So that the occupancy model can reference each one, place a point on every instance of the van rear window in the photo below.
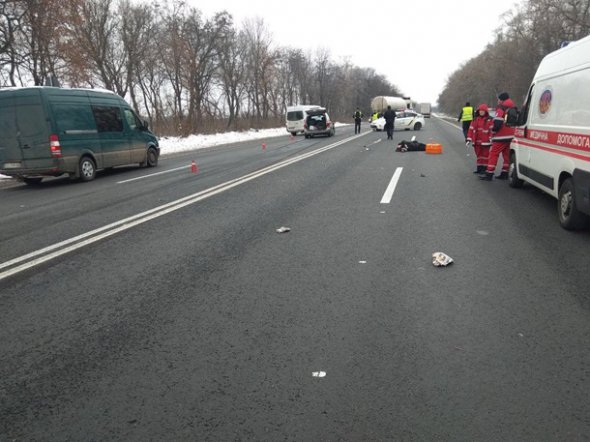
(7, 123)
(108, 118)
(295, 116)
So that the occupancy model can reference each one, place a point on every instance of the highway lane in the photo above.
(206, 324)
(35, 217)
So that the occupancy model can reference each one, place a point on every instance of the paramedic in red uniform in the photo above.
(478, 135)
(501, 137)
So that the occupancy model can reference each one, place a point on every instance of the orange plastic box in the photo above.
(433, 148)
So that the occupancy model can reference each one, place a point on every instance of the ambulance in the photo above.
(551, 146)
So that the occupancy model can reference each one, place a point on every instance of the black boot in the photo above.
(480, 169)
(489, 176)
(502, 176)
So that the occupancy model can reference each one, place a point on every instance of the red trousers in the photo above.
(499, 147)
(482, 154)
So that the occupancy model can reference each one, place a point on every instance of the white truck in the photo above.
(424, 109)
(379, 104)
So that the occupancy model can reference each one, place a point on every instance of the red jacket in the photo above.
(501, 132)
(480, 130)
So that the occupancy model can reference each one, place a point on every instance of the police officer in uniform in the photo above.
(358, 117)
(466, 117)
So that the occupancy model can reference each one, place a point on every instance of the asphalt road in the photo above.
(179, 313)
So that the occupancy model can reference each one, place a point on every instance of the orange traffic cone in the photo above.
(194, 168)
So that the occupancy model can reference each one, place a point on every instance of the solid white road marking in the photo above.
(391, 188)
(77, 242)
(187, 167)
(450, 124)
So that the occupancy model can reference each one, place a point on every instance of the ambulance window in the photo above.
(523, 117)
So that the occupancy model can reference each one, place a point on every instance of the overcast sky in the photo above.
(415, 44)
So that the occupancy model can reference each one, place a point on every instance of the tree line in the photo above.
(528, 33)
(184, 71)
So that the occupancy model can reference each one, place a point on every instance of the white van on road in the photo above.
(296, 116)
(551, 146)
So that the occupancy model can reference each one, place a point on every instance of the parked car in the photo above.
(406, 120)
(50, 131)
(295, 118)
(318, 123)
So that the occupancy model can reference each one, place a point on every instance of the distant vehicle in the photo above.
(551, 146)
(379, 104)
(49, 131)
(424, 109)
(296, 116)
(404, 120)
(318, 123)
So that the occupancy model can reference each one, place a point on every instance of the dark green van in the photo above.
(49, 131)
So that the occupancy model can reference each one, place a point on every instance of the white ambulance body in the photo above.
(551, 147)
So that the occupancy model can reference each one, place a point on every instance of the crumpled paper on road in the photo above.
(440, 259)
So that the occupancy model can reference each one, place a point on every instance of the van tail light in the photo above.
(54, 146)
(328, 124)
(305, 125)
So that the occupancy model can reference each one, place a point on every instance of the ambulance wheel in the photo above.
(87, 169)
(569, 215)
(513, 180)
(294, 133)
(417, 126)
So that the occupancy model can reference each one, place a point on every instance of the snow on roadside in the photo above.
(169, 145)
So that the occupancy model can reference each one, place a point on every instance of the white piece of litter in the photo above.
(439, 259)
(319, 374)
(283, 229)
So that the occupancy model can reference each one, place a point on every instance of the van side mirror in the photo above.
(145, 125)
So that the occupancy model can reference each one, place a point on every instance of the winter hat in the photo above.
(503, 96)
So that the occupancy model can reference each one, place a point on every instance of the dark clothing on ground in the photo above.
(410, 146)
(389, 116)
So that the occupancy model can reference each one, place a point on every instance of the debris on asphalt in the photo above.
(439, 259)
(422, 175)
(283, 229)
(319, 374)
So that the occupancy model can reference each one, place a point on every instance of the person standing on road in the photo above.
(478, 136)
(358, 118)
(501, 137)
(389, 116)
(466, 117)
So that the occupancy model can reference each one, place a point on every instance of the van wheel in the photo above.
(32, 181)
(87, 169)
(294, 134)
(569, 215)
(513, 180)
(152, 157)
(417, 126)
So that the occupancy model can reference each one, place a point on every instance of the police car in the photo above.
(404, 119)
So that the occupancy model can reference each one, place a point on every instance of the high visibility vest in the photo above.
(467, 114)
